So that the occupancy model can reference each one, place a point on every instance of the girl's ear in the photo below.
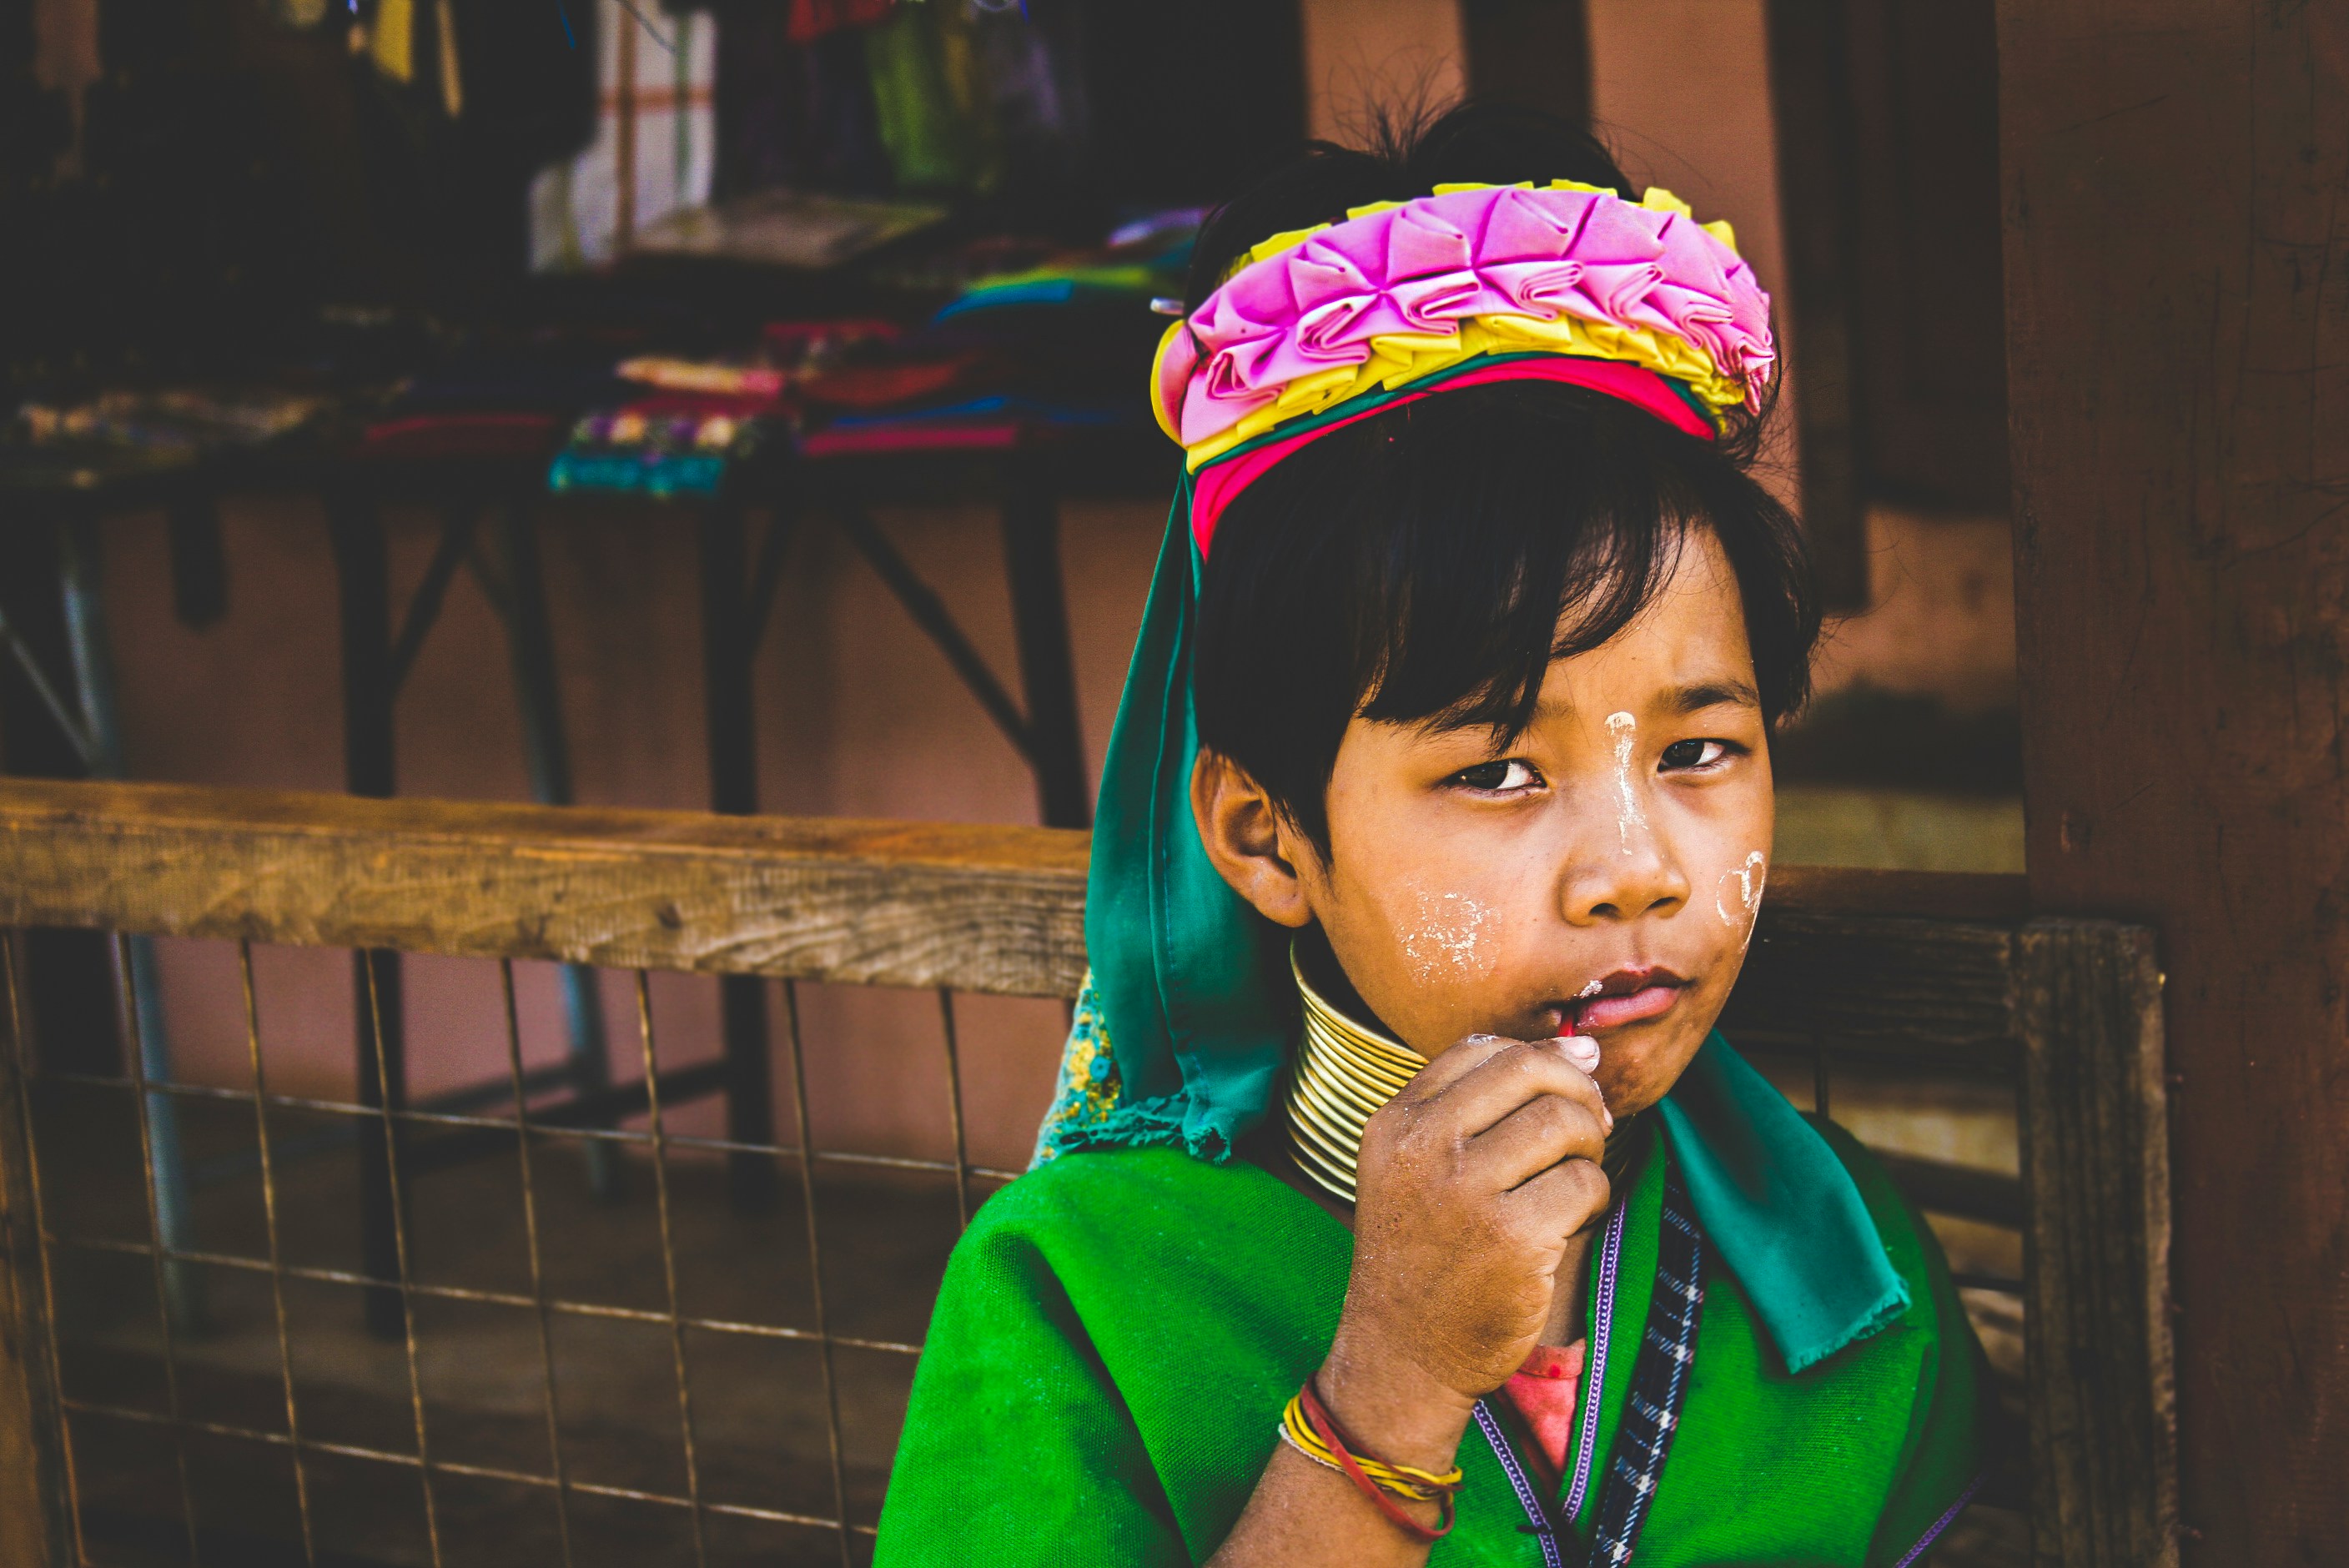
(1248, 841)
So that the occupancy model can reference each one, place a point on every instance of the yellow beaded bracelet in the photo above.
(1307, 1428)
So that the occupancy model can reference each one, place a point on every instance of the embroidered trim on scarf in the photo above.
(1659, 1385)
(1659, 1379)
(1543, 1529)
(1943, 1523)
(1611, 1259)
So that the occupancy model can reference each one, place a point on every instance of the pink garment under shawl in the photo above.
(1545, 1390)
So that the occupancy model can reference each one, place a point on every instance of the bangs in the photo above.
(1425, 565)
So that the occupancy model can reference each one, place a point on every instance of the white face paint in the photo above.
(1749, 878)
(1450, 930)
(1625, 731)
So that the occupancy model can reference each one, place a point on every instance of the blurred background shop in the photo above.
(498, 328)
(739, 406)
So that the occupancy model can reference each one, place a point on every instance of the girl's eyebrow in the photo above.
(1698, 695)
(1680, 700)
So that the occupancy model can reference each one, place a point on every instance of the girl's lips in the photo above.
(1632, 1007)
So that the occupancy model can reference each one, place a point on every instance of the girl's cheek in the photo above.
(1737, 896)
(1447, 937)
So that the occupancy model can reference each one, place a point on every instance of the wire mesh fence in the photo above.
(278, 1319)
(196, 1335)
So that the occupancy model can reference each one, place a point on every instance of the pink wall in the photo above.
(1359, 54)
(859, 715)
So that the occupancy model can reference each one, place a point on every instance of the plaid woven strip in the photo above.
(1659, 1379)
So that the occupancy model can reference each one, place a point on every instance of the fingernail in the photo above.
(1581, 1050)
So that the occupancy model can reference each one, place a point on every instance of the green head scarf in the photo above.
(1189, 1014)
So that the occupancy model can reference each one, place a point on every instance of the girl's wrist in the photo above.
(1390, 1404)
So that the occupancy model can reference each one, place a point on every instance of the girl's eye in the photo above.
(1497, 777)
(1681, 755)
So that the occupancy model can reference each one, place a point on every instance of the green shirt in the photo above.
(1119, 1331)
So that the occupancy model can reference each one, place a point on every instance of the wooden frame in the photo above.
(1943, 973)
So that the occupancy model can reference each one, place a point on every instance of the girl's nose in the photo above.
(1627, 870)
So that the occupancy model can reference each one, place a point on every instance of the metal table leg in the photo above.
(547, 754)
(1039, 613)
(362, 569)
(725, 621)
(81, 581)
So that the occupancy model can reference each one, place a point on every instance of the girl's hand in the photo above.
(1473, 1184)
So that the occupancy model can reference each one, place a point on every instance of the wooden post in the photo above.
(1040, 622)
(35, 1531)
(2178, 298)
(732, 734)
(2100, 1371)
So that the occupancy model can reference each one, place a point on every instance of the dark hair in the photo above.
(1431, 561)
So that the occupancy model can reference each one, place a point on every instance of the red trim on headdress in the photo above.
(1215, 486)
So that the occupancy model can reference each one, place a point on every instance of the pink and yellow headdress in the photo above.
(1569, 282)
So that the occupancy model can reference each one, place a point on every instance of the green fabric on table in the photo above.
(1119, 1331)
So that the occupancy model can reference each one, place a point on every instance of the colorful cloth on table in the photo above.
(814, 19)
(678, 444)
(1128, 1324)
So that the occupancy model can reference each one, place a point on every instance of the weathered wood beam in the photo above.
(896, 903)
(992, 909)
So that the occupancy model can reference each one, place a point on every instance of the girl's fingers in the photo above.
(1530, 1140)
(1472, 1052)
(1511, 1077)
(1559, 1202)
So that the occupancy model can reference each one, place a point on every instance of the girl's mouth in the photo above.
(1627, 997)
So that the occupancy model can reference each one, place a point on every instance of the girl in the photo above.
(1400, 1204)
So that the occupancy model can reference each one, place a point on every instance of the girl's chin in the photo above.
(1640, 1067)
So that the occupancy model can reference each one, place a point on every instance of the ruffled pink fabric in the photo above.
(1429, 264)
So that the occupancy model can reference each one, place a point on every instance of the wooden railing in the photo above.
(1923, 973)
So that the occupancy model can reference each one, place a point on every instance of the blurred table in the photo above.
(490, 499)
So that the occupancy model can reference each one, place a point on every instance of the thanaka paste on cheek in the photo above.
(1750, 878)
(1449, 936)
(1625, 731)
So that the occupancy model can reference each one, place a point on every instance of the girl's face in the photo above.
(1600, 875)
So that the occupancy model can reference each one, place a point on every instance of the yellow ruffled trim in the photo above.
(1399, 359)
(1157, 360)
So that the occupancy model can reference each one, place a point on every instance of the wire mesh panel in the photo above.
(663, 1377)
(658, 1379)
(267, 1306)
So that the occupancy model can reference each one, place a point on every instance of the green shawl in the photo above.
(1119, 1331)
